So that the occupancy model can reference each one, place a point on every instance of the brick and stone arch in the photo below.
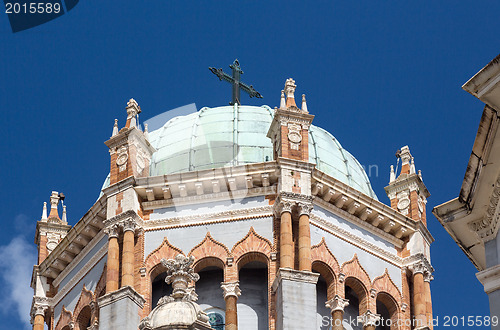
(65, 319)
(389, 295)
(325, 263)
(154, 268)
(358, 280)
(83, 320)
(209, 252)
(252, 242)
(82, 315)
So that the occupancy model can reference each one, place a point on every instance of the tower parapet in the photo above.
(51, 229)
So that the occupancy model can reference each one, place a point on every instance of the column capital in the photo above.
(128, 225)
(285, 206)
(337, 304)
(305, 208)
(231, 289)
(39, 306)
(112, 231)
(369, 319)
(418, 263)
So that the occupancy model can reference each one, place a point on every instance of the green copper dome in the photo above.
(228, 136)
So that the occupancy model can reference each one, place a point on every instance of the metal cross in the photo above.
(235, 81)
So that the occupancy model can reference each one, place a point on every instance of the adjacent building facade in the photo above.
(472, 219)
(277, 219)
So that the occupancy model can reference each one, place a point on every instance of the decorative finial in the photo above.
(420, 175)
(412, 166)
(44, 211)
(393, 175)
(64, 218)
(290, 92)
(282, 101)
(179, 273)
(115, 128)
(54, 201)
(133, 109)
(304, 104)
(146, 132)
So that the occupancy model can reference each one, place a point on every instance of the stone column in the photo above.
(369, 320)
(428, 299)
(38, 309)
(304, 237)
(128, 253)
(286, 238)
(231, 293)
(113, 263)
(421, 268)
(337, 305)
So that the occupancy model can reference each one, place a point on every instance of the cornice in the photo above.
(119, 186)
(79, 275)
(357, 241)
(201, 219)
(69, 268)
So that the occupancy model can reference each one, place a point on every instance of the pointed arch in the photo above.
(65, 318)
(385, 284)
(358, 280)
(209, 249)
(251, 243)
(353, 268)
(325, 263)
(86, 297)
(389, 295)
(165, 250)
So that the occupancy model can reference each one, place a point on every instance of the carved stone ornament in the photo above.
(179, 273)
(121, 159)
(140, 160)
(231, 289)
(181, 308)
(128, 224)
(286, 206)
(403, 204)
(337, 304)
(305, 208)
(112, 231)
(39, 306)
(369, 319)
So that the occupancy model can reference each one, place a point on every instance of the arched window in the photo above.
(216, 318)
(159, 289)
(84, 318)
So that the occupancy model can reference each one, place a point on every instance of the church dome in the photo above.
(229, 136)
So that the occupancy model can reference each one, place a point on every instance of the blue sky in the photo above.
(377, 74)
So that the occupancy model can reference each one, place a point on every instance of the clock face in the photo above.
(403, 203)
(121, 159)
(294, 137)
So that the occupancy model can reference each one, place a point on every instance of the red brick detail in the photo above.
(42, 249)
(406, 297)
(357, 279)
(65, 318)
(252, 242)
(209, 252)
(384, 284)
(86, 297)
(154, 268)
(325, 263)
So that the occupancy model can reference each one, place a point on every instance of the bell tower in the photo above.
(295, 281)
(129, 148)
(51, 229)
(407, 192)
(290, 127)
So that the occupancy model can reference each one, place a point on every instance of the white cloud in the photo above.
(18, 258)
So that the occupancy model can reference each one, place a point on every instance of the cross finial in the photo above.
(235, 80)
